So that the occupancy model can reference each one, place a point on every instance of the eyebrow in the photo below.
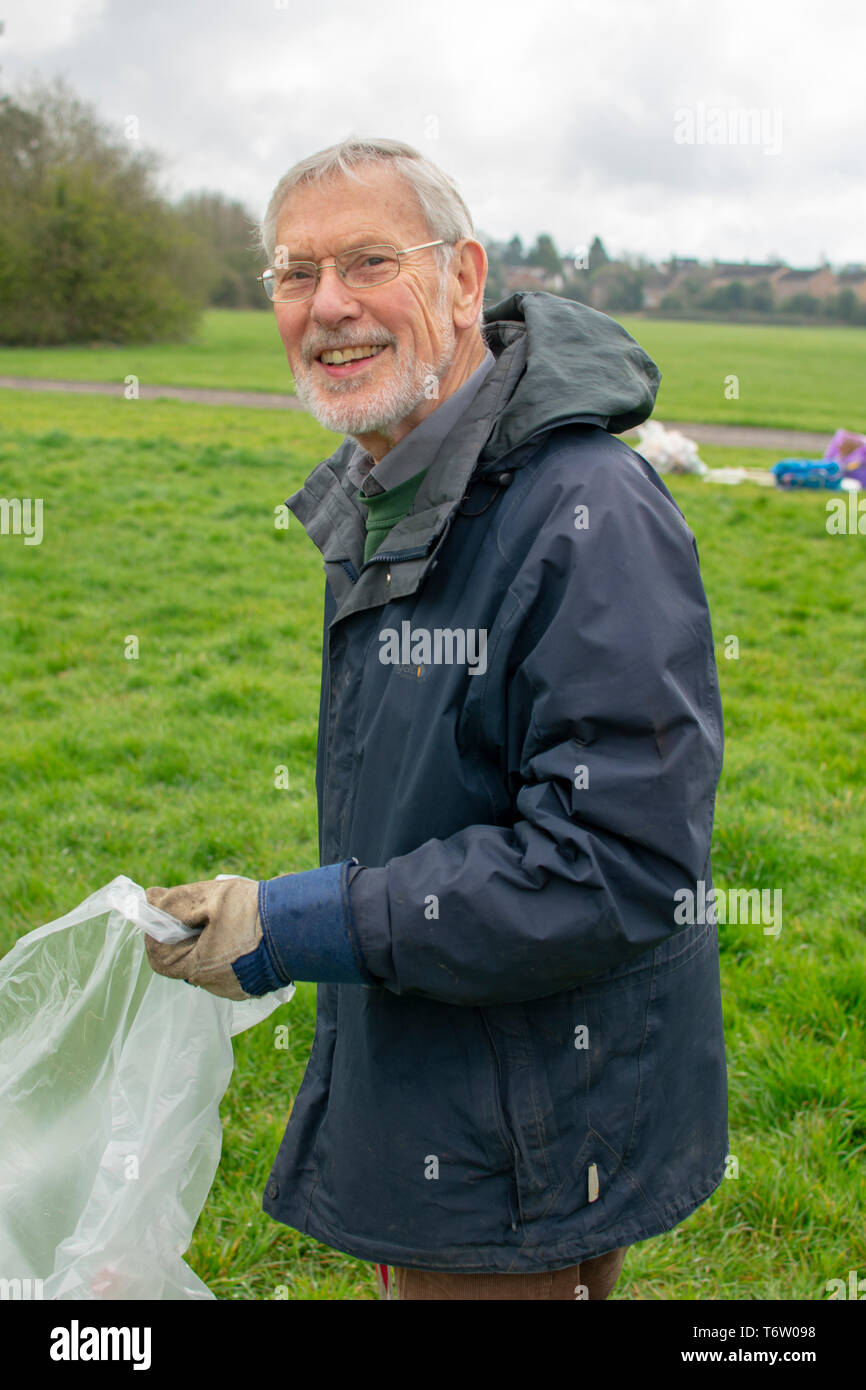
(350, 246)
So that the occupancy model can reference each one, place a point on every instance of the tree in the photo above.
(694, 284)
(725, 297)
(802, 303)
(234, 260)
(597, 254)
(844, 305)
(759, 297)
(513, 254)
(545, 255)
(618, 286)
(494, 288)
(578, 288)
(89, 250)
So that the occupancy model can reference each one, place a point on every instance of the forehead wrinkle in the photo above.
(318, 221)
(341, 243)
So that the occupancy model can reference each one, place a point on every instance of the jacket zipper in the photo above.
(515, 1207)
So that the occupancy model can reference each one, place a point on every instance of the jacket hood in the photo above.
(558, 363)
(580, 365)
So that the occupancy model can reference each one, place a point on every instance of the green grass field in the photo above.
(158, 523)
(235, 350)
(792, 378)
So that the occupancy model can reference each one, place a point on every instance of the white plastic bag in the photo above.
(669, 451)
(110, 1082)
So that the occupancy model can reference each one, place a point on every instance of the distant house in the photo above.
(656, 284)
(783, 281)
(667, 278)
(821, 283)
(532, 277)
(747, 272)
(853, 277)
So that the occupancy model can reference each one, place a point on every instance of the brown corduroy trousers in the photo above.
(592, 1280)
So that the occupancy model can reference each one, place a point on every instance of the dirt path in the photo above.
(791, 442)
(199, 395)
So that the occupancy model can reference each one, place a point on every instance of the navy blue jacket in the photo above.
(519, 1058)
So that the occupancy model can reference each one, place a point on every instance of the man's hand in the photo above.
(227, 911)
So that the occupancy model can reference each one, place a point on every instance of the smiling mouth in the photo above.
(340, 357)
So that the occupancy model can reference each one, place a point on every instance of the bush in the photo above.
(800, 304)
(759, 297)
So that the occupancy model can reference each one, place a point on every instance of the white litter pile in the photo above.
(669, 451)
(741, 475)
(111, 1078)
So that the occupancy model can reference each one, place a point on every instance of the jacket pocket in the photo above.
(515, 1208)
(620, 1023)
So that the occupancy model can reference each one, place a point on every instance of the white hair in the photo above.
(438, 198)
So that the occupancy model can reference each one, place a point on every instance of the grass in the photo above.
(792, 378)
(789, 378)
(158, 523)
(236, 350)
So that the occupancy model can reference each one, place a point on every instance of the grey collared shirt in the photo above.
(416, 450)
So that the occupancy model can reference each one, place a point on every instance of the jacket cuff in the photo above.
(371, 913)
(308, 928)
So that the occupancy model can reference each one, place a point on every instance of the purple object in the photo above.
(849, 451)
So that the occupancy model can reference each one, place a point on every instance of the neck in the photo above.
(468, 357)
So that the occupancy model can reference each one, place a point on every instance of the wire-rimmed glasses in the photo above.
(360, 269)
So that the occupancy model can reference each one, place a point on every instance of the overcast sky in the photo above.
(614, 117)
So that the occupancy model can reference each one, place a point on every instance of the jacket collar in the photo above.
(334, 521)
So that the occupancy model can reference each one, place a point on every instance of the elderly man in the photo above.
(518, 1069)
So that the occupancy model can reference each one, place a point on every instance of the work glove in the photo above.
(227, 912)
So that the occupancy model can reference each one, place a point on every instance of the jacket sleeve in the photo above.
(604, 695)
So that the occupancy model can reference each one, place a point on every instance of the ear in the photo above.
(469, 268)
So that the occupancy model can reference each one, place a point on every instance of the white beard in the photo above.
(407, 386)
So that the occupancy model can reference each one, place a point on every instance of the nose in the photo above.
(332, 300)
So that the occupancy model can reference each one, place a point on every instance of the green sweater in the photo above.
(385, 509)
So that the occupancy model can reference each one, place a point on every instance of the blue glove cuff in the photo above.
(255, 972)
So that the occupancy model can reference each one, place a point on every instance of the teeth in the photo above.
(351, 354)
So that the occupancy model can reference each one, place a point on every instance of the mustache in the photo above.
(313, 350)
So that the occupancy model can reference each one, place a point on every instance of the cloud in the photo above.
(33, 30)
(550, 117)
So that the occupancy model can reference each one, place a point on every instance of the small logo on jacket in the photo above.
(443, 646)
(412, 673)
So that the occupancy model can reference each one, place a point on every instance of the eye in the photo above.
(369, 265)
